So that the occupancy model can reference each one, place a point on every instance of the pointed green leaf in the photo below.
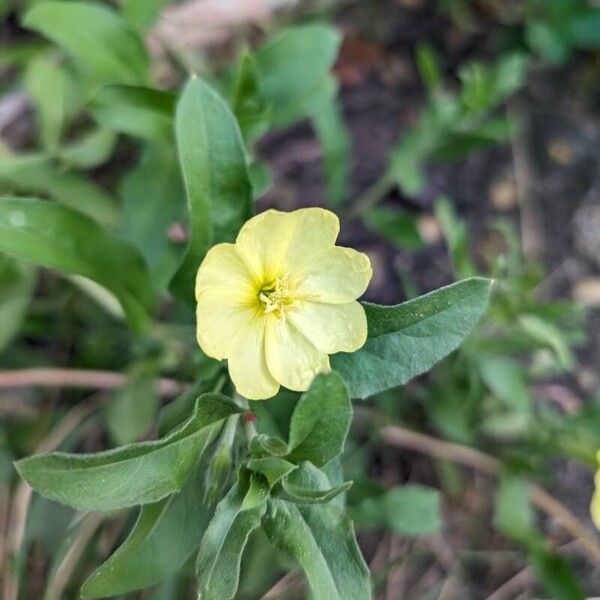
(137, 111)
(236, 517)
(162, 539)
(140, 473)
(37, 174)
(57, 237)
(288, 489)
(95, 36)
(273, 468)
(320, 421)
(408, 339)
(213, 163)
(321, 538)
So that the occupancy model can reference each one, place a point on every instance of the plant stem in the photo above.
(371, 196)
(80, 378)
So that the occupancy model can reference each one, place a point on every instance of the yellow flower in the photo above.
(280, 299)
(596, 499)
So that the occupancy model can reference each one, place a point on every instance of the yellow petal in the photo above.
(224, 267)
(331, 327)
(274, 243)
(315, 231)
(221, 313)
(291, 358)
(263, 242)
(247, 363)
(336, 276)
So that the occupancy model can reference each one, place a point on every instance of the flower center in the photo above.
(275, 296)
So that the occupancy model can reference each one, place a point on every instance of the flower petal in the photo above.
(274, 242)
(336, 276)
(315, 231)
(263, 241)
(224, 267)
(221, 313)
(291, 358)
(332, 327)
(248, 365)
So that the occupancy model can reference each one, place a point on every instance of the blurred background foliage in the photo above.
(453, 138)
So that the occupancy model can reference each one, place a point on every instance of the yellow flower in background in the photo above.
(596, 499)
(281, 299)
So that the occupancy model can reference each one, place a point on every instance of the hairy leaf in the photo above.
(408, 339)
(140, 473)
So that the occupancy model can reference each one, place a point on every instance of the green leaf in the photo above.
(57, 237)
(247, 102)
(506, 379)
(331, 131)
(16, 288)
(428, 63)
(289, 490)
(321, 538)
(162, 539)
(153, 202)
(236, 517)
(407, 339)
(396, 226)
(213, 163)
(320, 421)
(37, 174)
(548, 335)
(104, 48)
(132, 410)
(91, 150)
(408, 510)
(293, 65)
(514, 516)
(273, 468)
(584, 30)
(140, 473)
(53, 96)
(555, 575)
(137, 111)
(142, 14)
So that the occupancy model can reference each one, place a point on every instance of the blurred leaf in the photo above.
(292, 66)
(142, 14)
(260, 179)
(247, 102)
(57, 237)
(132, 409)
(408, 510)
(585, 29)
(555, 576)
(140, 473)
(428, 63)
(95, 36)
(37, 174)
(549, 336)
(54, 97)
(321, 420)
(162, 539)
(321, 539)
(506, 379)
(220, 554)
(153, 203)
(16, 288)
(137, 111)
(91, 150)
(331, 131)
(455, 232)
(407, 339)
(513, 515)
(213, 163)
(396, 226)
(546, 41)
